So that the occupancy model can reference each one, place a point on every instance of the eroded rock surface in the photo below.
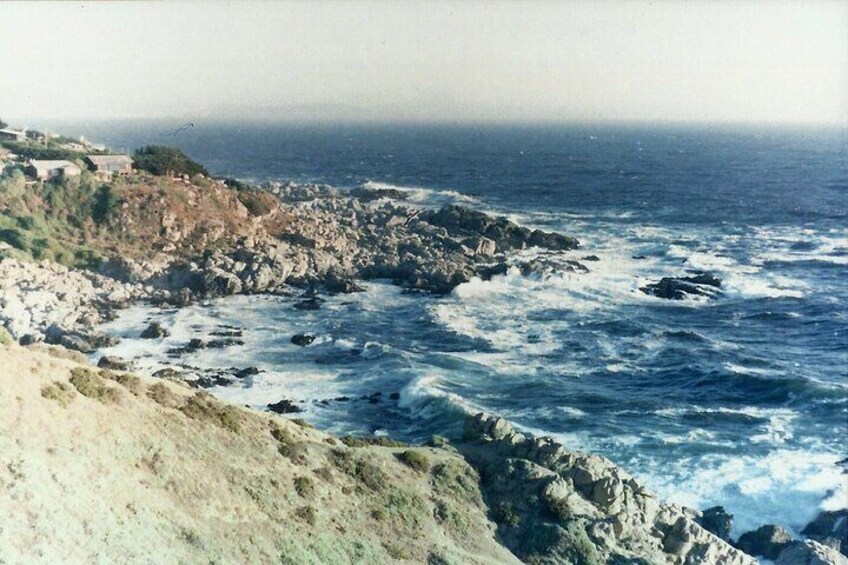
(558, 506)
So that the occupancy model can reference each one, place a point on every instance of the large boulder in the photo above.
(154, 331)
(809, 552)
(829, 528)
(716, 521)
(678, 288)
(767, 541)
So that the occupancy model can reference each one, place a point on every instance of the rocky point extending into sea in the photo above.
(509, 496)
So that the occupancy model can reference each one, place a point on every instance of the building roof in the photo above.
(50, 165)
(110, 160)
(14, 131)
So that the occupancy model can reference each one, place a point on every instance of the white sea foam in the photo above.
(791, 485)
(425, 196)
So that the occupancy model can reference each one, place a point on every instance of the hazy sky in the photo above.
(447, 61)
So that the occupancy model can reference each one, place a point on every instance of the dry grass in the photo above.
(89, 384)
(203, 406)
(59, 391)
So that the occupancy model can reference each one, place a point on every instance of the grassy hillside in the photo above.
(82, 220)
(109, 467)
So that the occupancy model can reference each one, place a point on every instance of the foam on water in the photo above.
(425, 196)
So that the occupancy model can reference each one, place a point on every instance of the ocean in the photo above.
(740, 401)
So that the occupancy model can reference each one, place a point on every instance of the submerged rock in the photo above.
(302, 339)
(678, 288)
(155, 331)
(284, 406)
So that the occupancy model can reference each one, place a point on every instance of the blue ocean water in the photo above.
(740, 401)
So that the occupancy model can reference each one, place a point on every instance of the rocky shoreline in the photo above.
(324, 241)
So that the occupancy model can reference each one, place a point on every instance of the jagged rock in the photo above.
(767, 541)
(716, 521)
(246, 372)
(678, 288)
(114, 363)
(829, 528)
(810, 552)
(284, 407)
(592, 511)
(313, 303)
(302, 339)
(155, 331)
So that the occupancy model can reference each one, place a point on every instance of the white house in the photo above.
(9, 134)
(48, 170)
(107, 165)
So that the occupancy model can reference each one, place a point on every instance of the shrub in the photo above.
(130, 382)
(89, 384)
(104, 202)
(457, 481)
(366, 473)
(289, 446)
(307, 513)
(202, 406)
(5, 338)
(450, 518)
(557, 509)
(257, 203)
(160, 160)
(58, 391)
(382, 441)
(162, 395)
(304, 486)
(505, 514)
(302, 423)
(414, 460)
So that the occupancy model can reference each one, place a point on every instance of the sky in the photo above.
(442, 61)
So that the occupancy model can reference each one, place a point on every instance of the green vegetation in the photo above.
(58, 391)
(557, 509)
(203, 406)
(162, 395)
(5, 338)
(91, 385)
(308, 514)
(161, 160)
(288, 446)
(364, 472)
(130, 382)
(51, 220)
(382, 441)
(404, 511)
(414, 460)
(457, 482)
(257, 202)
(453, 521)
(3, 124)
(304, 486)
(37, 150)
(505, 514)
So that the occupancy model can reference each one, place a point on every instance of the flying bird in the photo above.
(182, 128)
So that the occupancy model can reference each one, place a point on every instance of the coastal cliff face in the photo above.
(102, 466)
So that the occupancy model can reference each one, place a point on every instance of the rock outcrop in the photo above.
(678, 288)
(557, 506)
